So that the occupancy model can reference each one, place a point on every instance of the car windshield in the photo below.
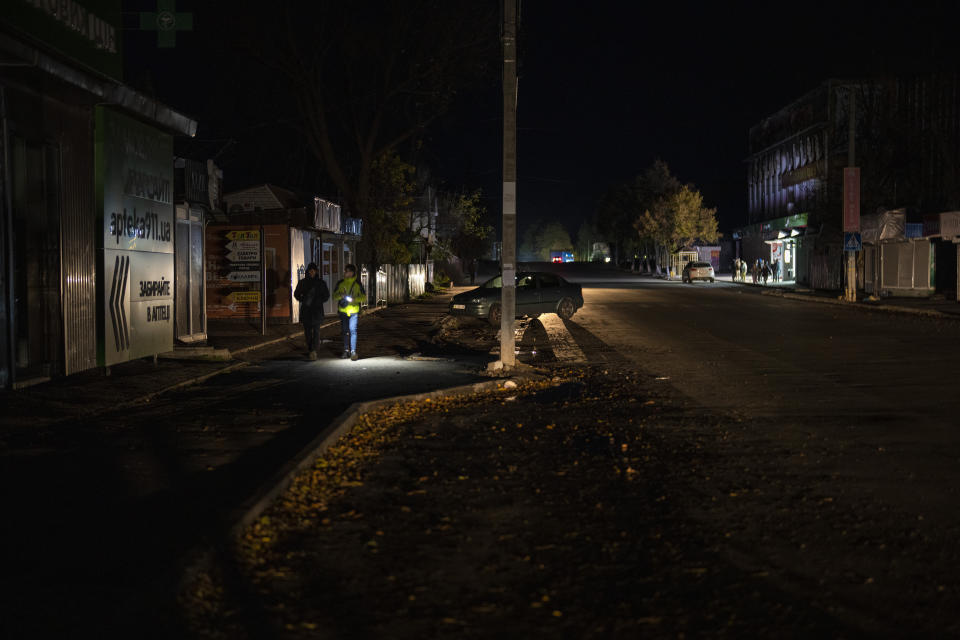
(496, 282)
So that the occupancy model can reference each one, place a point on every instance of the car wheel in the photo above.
(566, 309)
(712, 280)
(494, 315)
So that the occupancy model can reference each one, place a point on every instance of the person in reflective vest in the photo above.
(349, 295)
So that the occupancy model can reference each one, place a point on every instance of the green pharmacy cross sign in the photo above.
(166, 22)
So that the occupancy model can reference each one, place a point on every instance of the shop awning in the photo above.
(107, 91)
(771, 237)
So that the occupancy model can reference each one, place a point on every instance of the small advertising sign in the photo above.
(244, 276)
(234, 272)
(243, 256)
(244, 296)
(776, 251)
(851, 199)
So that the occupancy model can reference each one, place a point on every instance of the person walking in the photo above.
(736, 269)
(743, 271)
(349, 295)
(311, 293)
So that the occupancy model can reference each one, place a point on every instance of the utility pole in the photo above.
(851, 203)
(263, 282)
(508, 251)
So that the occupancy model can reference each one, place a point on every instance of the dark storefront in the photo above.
(906, 146)
(59, 70)
(197, 187)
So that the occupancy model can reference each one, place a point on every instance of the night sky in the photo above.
(605, 88)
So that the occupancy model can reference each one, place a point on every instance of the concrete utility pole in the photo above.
(263, 282)
(850, 291)
(508, 252)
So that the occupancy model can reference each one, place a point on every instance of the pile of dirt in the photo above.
(457, 333)
(464, 332)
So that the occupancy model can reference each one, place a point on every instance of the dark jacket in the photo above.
(312, 293)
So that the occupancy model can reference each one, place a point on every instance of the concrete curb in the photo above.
(258, 503)
(886, 308)
(184, 383)
(98, 411)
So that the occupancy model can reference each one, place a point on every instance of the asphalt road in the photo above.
(866, 379)
(842, 429)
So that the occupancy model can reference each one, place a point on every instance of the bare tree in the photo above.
(367, 77)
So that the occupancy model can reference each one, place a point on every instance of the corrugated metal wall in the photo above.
(416, 279)
(391, 283)
(400, 282)
(78, 254)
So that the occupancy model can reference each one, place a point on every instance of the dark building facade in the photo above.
(907, 145)
(295, 232)
(85, 195)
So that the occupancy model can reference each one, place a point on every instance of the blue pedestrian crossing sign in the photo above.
(851, 242)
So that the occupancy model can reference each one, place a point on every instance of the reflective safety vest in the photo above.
(349, 287)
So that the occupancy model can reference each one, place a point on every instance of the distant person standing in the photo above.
(776, 270)
(736, 269)
(349, 295)
(311, 293)
(743, 271)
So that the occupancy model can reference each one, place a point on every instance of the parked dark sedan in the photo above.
(537, 293)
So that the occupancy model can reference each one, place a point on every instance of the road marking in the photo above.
(565, 348)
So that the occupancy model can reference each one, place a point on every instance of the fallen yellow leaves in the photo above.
(483, 608)
(384, 456)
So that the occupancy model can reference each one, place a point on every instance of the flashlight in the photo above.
(348, 298)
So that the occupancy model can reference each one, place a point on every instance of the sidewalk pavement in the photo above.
(231, 345)
(936, 306)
